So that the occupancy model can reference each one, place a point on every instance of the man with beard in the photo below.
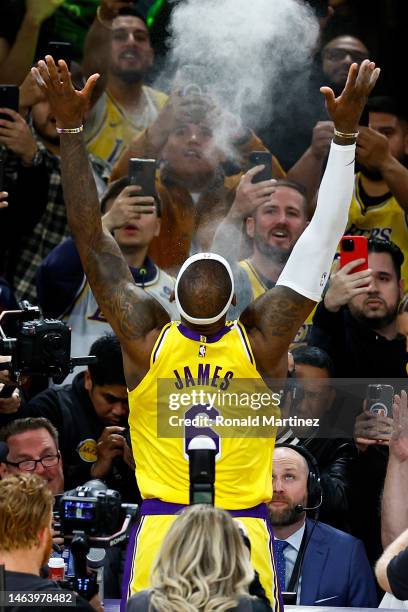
(118, 48)
(356, 323)
(334, 570)
(26, 504)
(35, 220)
(380, 200)
(275, 216)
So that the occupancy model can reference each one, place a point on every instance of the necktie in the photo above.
(280, 546)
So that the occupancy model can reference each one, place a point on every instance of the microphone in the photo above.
(300, 508)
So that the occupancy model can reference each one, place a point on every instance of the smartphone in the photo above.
(61, 50)
(258, 158)
(142, 172)
(9, 98)
(379, 399)
(352, 248)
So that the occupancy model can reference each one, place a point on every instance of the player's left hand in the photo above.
(345, 110)
(373, 149)
(68, 105)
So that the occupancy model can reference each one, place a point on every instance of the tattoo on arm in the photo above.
(131, 312)
(276, 316)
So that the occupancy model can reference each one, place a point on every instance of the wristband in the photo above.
(76, 130)
(348, 135)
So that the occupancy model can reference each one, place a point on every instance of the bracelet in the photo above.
(76, 130)
(102, 21)
(349, 135)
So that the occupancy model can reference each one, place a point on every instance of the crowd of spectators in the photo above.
(351, 471)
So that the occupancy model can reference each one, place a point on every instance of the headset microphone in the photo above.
(300, 508)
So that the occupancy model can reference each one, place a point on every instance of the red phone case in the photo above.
(360, 251)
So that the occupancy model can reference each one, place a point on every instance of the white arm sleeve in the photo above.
(308, 266)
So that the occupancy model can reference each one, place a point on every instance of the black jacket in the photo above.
(356, 350)
(71, 411)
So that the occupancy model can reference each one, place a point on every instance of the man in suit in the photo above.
(335, 569)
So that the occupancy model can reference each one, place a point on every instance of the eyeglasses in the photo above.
(339, 54)
(29, 465)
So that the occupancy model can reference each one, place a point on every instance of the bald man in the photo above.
(164, 362)
(335, 570)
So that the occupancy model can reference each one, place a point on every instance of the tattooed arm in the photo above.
(273, 319)
(135, 317)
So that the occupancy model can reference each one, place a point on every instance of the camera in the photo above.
(91, 515)
(348, 245)
(97, 511)
(40, 346)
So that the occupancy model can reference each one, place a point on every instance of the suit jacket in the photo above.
(336, 571)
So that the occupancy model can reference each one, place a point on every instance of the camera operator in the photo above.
(26, 504)
(33, 448)
(90, 416)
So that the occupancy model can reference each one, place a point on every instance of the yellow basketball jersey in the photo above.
(259, 288)
(182, 361)
(111, 128)
(386, 221)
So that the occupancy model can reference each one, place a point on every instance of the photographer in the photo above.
(90, 416)
(26, 504)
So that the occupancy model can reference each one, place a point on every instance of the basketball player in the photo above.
(155, 350)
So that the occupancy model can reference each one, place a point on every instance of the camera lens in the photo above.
(348, 245)
(374, 392)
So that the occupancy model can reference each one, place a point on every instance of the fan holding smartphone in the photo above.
(352, 277)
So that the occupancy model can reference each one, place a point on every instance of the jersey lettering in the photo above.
(204, 376)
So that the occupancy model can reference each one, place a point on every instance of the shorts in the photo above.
(155, 519)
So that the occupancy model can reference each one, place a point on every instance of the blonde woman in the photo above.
(203, 566)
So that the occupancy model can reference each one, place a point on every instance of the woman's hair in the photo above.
(203, 564)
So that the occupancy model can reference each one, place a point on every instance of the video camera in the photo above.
(91, 517)
(40, 346)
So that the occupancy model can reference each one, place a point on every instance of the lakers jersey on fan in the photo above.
(165, 414)
(110, 127)
(259, 288)
(386, 221)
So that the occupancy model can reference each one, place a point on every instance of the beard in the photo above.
(376, 322)
(274, 253)
(286, 516)
(130, 77)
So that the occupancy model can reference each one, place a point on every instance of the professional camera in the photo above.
(40, 346)
(97, 511)
(91, 517)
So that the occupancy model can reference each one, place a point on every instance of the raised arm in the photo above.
(274, 318)
(135, 317)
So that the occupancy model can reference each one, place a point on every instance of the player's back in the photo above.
(194, 378)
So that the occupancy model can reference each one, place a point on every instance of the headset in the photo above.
(314, 487)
